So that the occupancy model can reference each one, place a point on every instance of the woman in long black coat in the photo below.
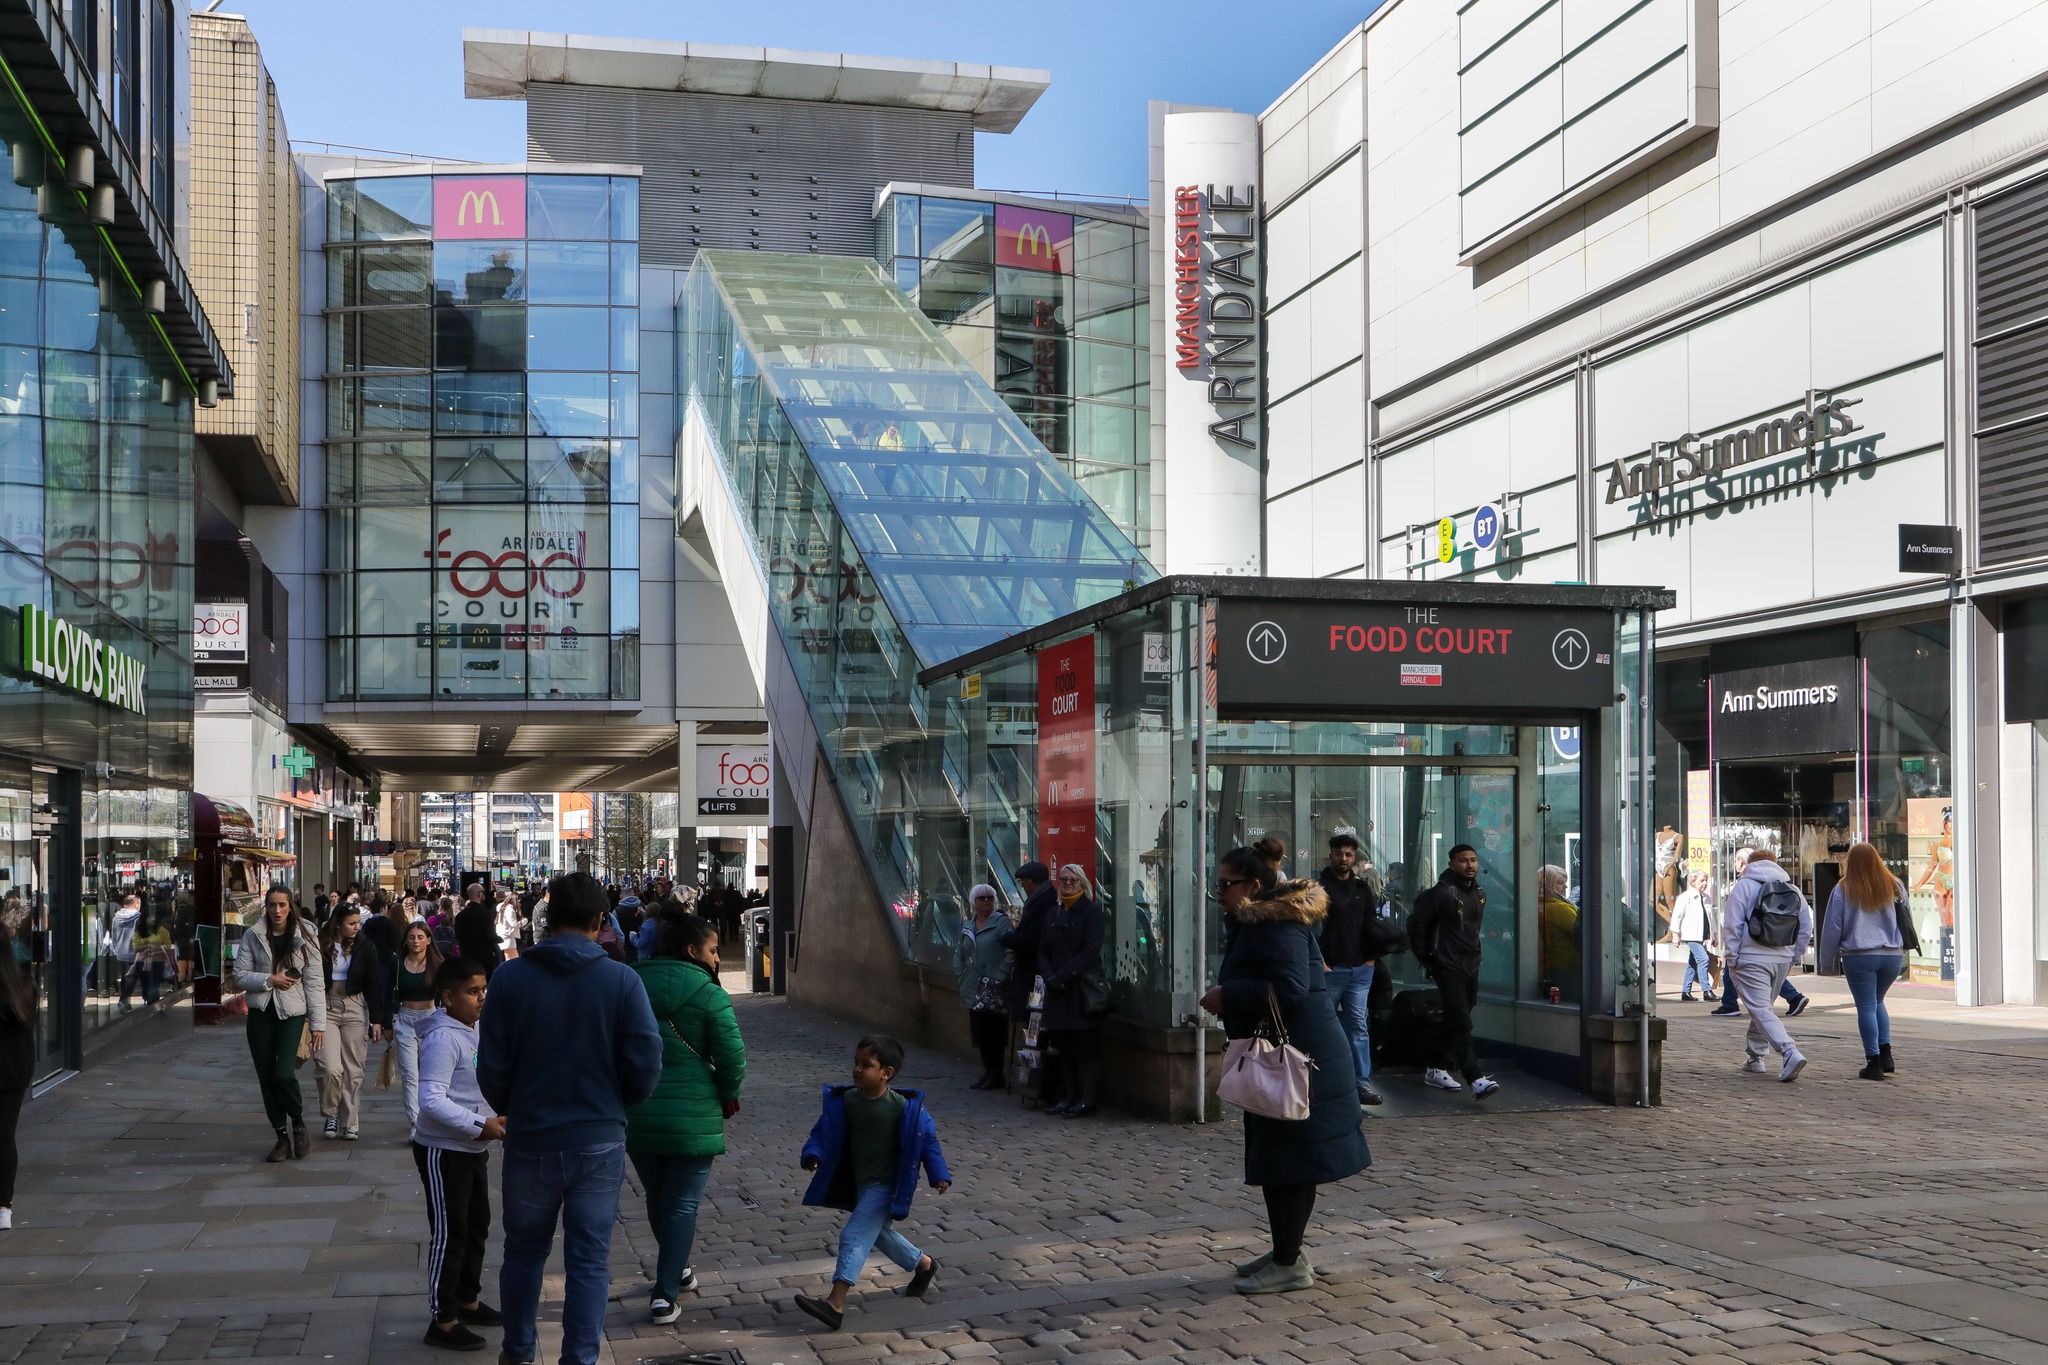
(1070, 960)
(1274, 948)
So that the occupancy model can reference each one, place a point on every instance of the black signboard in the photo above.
(2026, 660)
(1411, 659)
(1814, 707)
(732, 805)
(1930, 549)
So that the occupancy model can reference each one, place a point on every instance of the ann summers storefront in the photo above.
(1766, 458)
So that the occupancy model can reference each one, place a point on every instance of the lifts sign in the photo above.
(52, 650)
(1216, 302)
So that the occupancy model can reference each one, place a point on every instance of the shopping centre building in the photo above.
(1739, 300)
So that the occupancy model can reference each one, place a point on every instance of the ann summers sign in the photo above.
(53, 651)
(1792, 709)
(1693, 456)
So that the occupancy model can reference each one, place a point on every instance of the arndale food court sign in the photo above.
(53, 651)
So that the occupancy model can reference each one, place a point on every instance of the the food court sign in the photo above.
(52, 651)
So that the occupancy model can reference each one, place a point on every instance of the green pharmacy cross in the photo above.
(298, 762)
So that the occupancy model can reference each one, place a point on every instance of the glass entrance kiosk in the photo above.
(1143, 736)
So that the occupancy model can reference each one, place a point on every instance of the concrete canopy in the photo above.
(498, 64)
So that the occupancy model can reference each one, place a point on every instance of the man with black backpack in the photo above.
(1764, 931)
(1356, 934)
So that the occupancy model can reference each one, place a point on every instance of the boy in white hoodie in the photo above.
(451, 1146)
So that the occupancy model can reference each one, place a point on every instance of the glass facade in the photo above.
(1050, 304)
(96, 528)
(902, 514)
(482, 437)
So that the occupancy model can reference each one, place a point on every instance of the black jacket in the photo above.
(476, 934)
(1443, 928)
(366, 977)
(1069, 954)
(1024, 941)
(1347, 940)
(17, 1055)
(1275, 946)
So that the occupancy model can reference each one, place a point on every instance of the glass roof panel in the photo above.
(968, 527)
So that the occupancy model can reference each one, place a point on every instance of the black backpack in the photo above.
(1383, 934)
(1774, 919)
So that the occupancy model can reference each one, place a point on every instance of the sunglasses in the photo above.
(1225, 883)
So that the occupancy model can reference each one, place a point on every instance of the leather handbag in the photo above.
(1265, 1074)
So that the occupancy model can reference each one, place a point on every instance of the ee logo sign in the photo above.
(1446, 540)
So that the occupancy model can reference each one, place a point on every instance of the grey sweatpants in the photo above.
(1756, 986)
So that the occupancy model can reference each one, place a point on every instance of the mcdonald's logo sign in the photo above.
(1032, 240)
(476, 207)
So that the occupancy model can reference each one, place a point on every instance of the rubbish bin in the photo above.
(761, 950)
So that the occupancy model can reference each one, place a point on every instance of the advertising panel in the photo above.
(476, 207)
(1931, 886)
(220, 632)
(1066, 754)
(733, 779)
(1411, 659)
(1031, 239)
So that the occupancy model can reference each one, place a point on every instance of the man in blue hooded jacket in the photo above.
(568, 1044)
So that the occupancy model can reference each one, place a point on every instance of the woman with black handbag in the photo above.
(1866, 934)
(1273, 962)
(1076, 996)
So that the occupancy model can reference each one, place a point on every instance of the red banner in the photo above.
(1066, 755)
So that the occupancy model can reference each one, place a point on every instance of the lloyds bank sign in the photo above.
(51, 650)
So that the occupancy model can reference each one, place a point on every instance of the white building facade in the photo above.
(1745, 299)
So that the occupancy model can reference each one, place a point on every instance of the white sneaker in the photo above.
(1753, 1064)
(688, 1281)
(1441, 1079)
(1795, 1063)
(1483, 1087)
(6, 1219)
(663, 1312)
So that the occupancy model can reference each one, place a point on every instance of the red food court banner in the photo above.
(1066, 755)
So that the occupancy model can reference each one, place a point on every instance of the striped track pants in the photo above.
(459, 1219)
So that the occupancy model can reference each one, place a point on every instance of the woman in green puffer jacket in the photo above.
(675, 1133)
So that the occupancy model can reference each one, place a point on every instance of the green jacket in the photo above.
(685, 1115)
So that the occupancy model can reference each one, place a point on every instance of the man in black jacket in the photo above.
(1351, 949)
(476, 930)
(1040, 897)
(1443, 933)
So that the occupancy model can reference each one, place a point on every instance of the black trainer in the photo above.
(1368, 1095)
(483, 1315)
(821, 1310)
(456, 1338)
(921, 1280)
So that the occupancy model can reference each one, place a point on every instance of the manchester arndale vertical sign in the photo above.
(1209, 224)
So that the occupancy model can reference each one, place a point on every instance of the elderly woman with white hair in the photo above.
(982, 966)
(1076, 995)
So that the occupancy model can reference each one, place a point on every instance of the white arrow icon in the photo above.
(1570, 649)
(1266, 643)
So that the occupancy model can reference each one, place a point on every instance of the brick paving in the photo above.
(1834, 1219)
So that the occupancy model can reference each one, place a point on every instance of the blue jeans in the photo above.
(675, 1188)
(582, 1188)
(1695, 967)
(1350, 986)
(1870, 975)
(869, 1227)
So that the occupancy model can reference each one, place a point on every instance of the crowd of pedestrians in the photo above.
(471, 995)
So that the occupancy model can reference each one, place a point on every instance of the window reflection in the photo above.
(479, 272)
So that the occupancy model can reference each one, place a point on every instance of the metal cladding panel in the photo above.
(735, 173)
(2012, 374)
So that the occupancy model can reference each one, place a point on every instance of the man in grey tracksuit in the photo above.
(1759, 971)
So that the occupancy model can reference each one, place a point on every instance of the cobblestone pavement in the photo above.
(1834, 1219)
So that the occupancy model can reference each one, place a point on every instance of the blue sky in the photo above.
(388, 73)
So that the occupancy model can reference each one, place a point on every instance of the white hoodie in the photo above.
(452, 1109)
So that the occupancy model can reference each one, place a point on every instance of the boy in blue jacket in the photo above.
(865, 1150)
